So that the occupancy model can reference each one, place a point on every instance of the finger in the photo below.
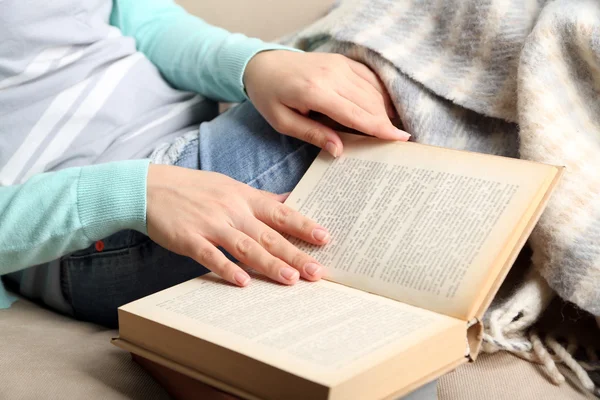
(375, 82)
(281, 248)
(206, 254)
(310, 131)
(283, 197)
(249, 252)
(279, 197)
(367, 74)
(366, 98)
(286, 220)
(268, 194)
(383, 101)
(349, 114)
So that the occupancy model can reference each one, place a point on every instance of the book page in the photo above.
(323, 331)
(415, 223)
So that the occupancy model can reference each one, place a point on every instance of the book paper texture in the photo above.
(322, 331)
(419, 224)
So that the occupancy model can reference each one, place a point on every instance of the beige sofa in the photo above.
(48, 356)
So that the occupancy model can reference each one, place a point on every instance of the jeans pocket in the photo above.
(85, 274)
(96, 283)
(120, 241)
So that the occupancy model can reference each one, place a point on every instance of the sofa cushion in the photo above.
(49, 356)
(502, 376)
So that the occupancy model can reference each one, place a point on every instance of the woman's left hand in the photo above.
(285, 86)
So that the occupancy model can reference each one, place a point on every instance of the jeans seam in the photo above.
(277, 164)
(66, 286)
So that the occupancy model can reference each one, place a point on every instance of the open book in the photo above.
(422, 238)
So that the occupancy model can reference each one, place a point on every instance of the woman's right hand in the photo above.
(192, 212)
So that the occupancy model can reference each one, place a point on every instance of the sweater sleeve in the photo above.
(191, 54)
(55, 213)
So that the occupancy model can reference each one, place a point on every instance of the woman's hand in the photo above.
(285, 86)
(192, 212)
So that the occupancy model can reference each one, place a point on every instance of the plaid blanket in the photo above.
(518, 78)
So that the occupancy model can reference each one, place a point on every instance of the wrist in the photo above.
(112, 197)
(254, 67)
(259, 62)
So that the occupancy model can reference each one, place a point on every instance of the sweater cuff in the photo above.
(112, 197)
(237, 55)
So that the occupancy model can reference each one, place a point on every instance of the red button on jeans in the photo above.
(99, 245)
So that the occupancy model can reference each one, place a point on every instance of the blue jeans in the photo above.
(238, 143)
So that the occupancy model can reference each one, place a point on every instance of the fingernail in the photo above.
(331, 149)
(289, 273)
(320, 234)
(312, 269)
(284, 196)
(241, 278)
(400, 134)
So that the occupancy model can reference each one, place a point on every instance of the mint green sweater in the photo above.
(55, 213)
